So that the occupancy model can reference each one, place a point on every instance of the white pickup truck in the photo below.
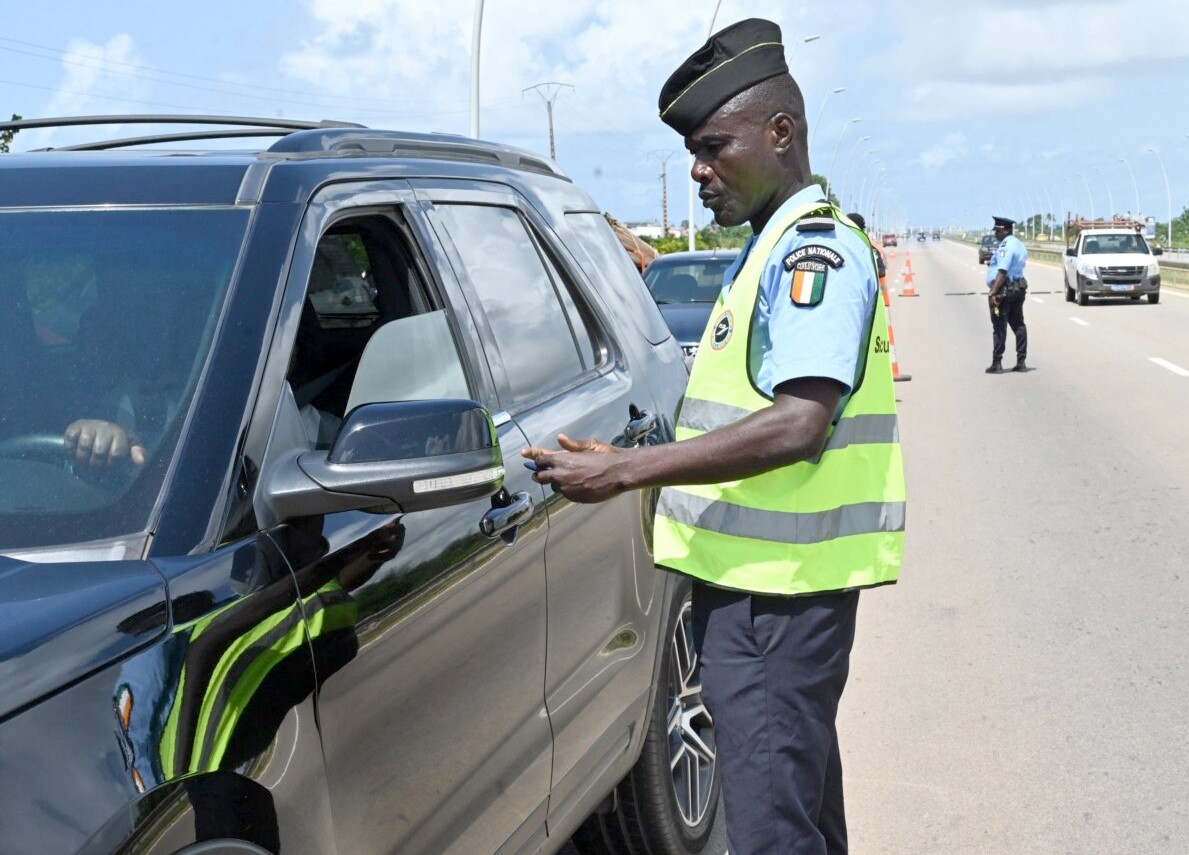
(1111, 262)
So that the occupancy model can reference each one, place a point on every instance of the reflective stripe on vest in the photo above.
(835, 522)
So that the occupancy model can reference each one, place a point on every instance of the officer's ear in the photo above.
(783, 130)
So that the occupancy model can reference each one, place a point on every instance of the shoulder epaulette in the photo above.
(816, 224)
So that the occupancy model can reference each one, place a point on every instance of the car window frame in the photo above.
(494, 195)
(328, 207)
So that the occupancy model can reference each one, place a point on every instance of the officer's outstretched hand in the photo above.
(96, 442)
(583, 471)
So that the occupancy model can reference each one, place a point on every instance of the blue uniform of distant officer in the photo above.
(1005, 278)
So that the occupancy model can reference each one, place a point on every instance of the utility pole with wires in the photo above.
(663, 157)
(541, 89)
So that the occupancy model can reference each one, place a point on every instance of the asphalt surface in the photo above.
(1023, 689)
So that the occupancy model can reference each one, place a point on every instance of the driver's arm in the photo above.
(102, 443)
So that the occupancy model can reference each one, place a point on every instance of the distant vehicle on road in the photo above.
(920, 237)
(889, 240)
(936, 235)
(986, 248)
(1106, 260)
(685, 286)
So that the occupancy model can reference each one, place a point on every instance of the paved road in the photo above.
(1024, 690)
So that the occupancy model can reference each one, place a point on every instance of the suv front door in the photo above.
(558, 370)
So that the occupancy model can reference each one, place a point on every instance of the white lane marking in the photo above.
(1037, 300)
(1080, 322)
(1164, 363)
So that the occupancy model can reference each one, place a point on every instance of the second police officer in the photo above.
(1005, 278)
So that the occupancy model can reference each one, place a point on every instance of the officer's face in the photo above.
(734, 163)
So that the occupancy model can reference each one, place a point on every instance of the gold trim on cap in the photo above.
(716, 68)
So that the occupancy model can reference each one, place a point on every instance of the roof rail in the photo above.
(274, 127)
(378, 143)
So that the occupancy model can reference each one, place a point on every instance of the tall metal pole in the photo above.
(476, 37)
(818, 121)
(1086, 181)
(1167, 191)
(663, 157)
(1110, 197)
(1052, 214)
(548, 99)
(834, 157)
(850, 162)
(863, 186)
(1134, 186)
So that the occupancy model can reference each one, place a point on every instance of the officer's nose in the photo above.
(700, 172)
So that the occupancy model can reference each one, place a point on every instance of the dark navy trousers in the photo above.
(773, 670)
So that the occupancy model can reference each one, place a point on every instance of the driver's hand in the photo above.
(96, 442)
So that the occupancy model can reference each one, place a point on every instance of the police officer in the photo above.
(1005, 277)
(784, 494)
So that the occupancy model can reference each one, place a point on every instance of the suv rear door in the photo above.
(429, 635)
(558, 369)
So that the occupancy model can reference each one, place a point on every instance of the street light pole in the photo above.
(1167, 191)
(803, 41)
(475, 39)
(818, 121)
(830, 171)
(1134, 186)
(863, 186)
(1086, 181)
(1110, 197)
(850, 162)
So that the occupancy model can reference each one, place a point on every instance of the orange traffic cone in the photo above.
(908, 290)
(896, 375)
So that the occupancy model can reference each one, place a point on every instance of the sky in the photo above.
(973, 109)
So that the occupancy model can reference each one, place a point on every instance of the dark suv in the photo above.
(273, 577)
(986, 248)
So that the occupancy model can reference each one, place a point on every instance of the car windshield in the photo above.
(687, 280)
(1121, 243)
(106, 317)
(988, 240)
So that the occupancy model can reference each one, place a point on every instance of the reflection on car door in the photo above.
(431, 706)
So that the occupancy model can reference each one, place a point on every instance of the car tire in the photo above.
(1068, 292)
(1154, 298)
(668, 802)
(1083, 298)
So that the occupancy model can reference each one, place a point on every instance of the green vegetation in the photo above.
(6, 136)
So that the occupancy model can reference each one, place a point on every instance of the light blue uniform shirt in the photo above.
(1010, 257)
(788, 341)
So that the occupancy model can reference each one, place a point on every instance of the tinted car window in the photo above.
(532, 332)
(608, 266)
(105, 316)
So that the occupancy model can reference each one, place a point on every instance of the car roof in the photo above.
(695, 255)
(120, 172)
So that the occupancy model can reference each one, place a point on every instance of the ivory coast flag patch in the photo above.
(810, 266)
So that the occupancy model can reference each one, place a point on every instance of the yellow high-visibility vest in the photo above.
(834, 523)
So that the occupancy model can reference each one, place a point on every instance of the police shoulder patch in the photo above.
(810, 266)
(815, 224)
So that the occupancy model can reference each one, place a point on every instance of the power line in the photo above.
(68, 54)
(540, 89)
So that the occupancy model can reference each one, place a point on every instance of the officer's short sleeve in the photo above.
(821, 339)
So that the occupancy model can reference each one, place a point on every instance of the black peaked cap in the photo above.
(732, 60)
(1003, 221)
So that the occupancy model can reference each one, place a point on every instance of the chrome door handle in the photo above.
(508, 512)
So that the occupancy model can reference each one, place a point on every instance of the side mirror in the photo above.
(1156, 250)
(1072, 251)
(393, 458)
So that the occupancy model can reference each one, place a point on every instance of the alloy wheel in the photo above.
(691, 729)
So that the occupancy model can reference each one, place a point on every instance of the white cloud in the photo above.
(87, 85)
(952, 147)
